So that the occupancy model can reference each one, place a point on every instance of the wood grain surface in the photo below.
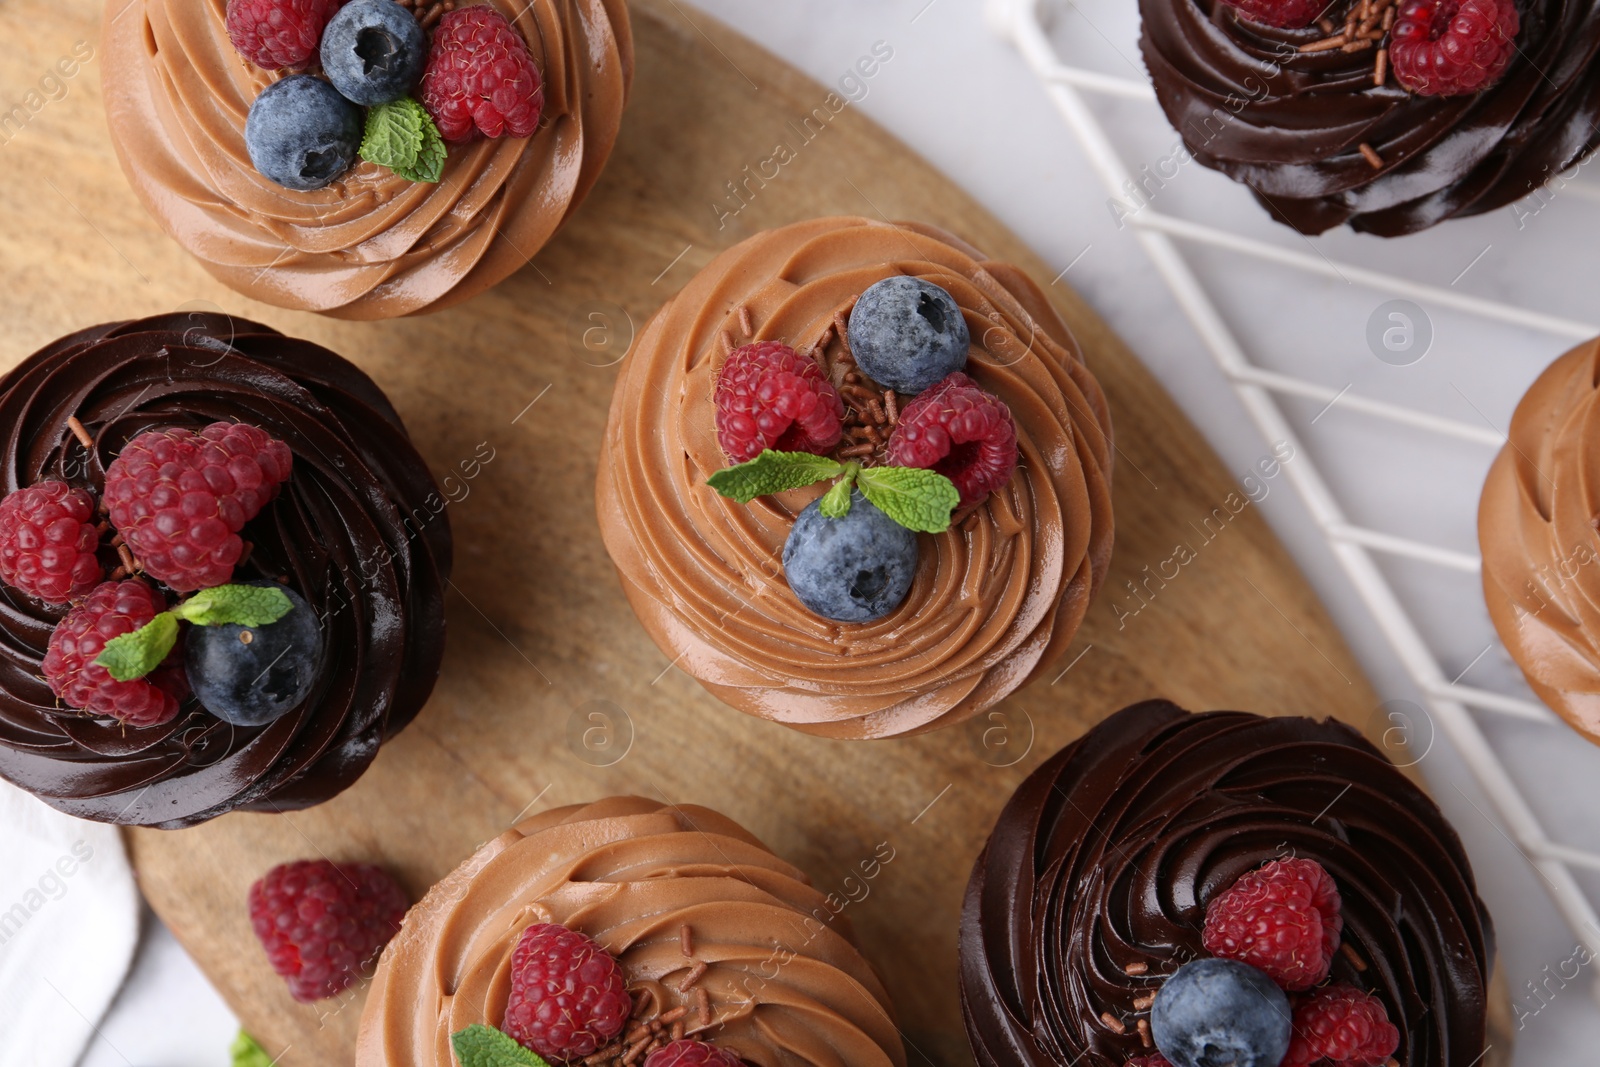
(541, 639)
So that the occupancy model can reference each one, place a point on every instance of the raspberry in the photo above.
(111, 610)
(323, 922)
(279, 34)
(480, 77)
(962, 432)
(691, 1053)
(179, 498)
(1343, 1025)
(48, 542)
(1284, 14)
(568, 996)
(1282, 917)
(770, 396)
(1452, 47)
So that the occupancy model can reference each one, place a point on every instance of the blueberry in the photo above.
(374, 51)
(253, 675)
(906, 334)
(1221, 1013)
(301, 133)
(853, 569)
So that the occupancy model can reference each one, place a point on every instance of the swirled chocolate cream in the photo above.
(857, 478)
(364, 159)
(221, 571)
(1223, 888)
(1537, 527)
(626, 932)
(1389, 115)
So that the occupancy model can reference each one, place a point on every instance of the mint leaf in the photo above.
(917, 499)
(773, 472)
(136, 654)
(836, 501)
(484, 1046)
(241, 605)
(429, 164)
(393, 137)
(246, 1053)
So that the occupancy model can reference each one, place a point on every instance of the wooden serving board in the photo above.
(545, 656)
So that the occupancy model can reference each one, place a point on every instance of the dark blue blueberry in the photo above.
(853, 569)
(374, 51)
(253, 675)
(301, 133)
(907, 334)
(1221, 1013)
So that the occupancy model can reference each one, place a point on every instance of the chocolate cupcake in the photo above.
(193, 453)
(1541, 549)
(857, 479)
(351, 195)
(1389, 115)
(687, 931)
(1160, 840)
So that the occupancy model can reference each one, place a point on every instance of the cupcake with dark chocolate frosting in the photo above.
(1163, 841)
(221, 572)
(1389, 115)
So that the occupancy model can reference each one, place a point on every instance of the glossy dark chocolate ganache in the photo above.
(1122, 858)
(1330, 123)
(354, 532)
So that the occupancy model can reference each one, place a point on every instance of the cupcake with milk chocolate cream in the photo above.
(1539, 530)
(857, 479)
(1262, 891)
(626, 932)
(370, 158)
(221, 572)
(1388, 115)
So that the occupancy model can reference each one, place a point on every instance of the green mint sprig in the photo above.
(484, 1046)
(246, 1052)
(134, 655)
(401, 136)
(918, 499)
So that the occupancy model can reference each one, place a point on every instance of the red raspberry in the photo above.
(111, 610)
(1452, 47)
(568, 996)
(1285, 14)
(770, 396)
(1343, 1025)
(323, 922)
(279, 34)
(179, 498)
(48, 541)
(691, 1053)
(962, 432)
(480, 77)
(1282, 917)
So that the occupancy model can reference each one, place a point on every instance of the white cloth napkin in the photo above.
(69, 924)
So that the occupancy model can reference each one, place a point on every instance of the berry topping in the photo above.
(691, 1053)
(278, 34)
(48, 541)
(568, 996)
(110, 610)
(253, 675)
(1344, 1026)
(962, 432)
(1452, 47)
(1284, 14)
(1282, 917)
(770, 396)
(301, 133)
(179, 498)
(322, 922)
(906, 334)
(1213, 1012)
(481, 78)
(856, 568)
(374, 51)
(1153, 1060)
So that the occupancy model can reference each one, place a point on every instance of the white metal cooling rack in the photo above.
(1164, 238)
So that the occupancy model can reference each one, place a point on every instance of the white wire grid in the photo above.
(1164, 237)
